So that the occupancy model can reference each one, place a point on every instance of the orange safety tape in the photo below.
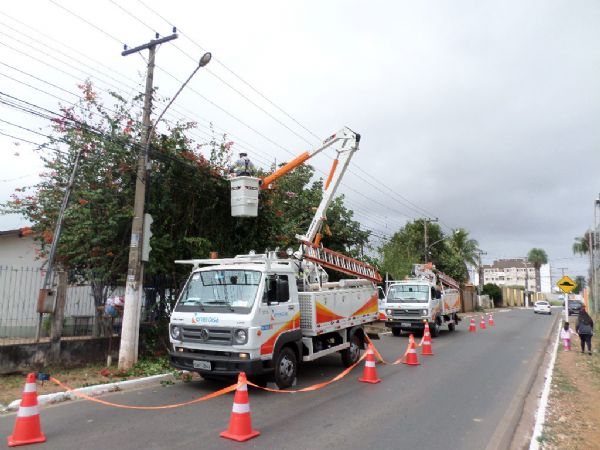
(380, 358)
(218, 393)
(314, 387)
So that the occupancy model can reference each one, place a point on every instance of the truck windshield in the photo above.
(409, 293)
(221, 288)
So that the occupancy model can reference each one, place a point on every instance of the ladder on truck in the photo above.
(337, 261)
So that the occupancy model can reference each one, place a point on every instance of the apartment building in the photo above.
(511, 272)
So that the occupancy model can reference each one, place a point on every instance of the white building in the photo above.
(18, 249)
(516, 272)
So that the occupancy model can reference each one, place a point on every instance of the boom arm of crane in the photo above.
(349, 144)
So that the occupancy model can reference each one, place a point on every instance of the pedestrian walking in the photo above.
(585, 330)
(565, 334)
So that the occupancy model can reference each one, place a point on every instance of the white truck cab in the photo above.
(419, 299)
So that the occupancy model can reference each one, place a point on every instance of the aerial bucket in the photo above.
(244, 196)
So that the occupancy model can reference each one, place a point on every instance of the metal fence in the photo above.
(19, 289)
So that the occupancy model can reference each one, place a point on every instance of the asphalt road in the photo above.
(467, 396)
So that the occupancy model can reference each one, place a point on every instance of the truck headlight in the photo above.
(240, 336)
(425, 312)
(388, 312)
(176, 332)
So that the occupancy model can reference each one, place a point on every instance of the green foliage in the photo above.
(581, 283)
(449, 253)
(581, 245)
(187, 194)
(537, 257)
(493, 291)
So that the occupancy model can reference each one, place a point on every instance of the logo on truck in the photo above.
(198, 318)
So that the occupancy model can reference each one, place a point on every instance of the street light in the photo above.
(438, 241)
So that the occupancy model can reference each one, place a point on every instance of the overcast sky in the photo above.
(483, 114)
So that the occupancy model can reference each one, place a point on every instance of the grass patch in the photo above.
(561, 383)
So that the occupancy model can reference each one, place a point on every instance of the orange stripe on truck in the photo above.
(326, 315)
(372, 306)
(267, 347)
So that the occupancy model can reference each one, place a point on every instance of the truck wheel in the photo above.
(352, 354)
(451, 326)
(434, 329)
(396, 331)
(286, 367)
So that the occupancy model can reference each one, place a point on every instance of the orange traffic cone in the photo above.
(411, 353)
(482, 323)
(426, 349)
(491, 320)
(240, 424)
(382, 316)
(472, 328)
(370, 372)
(27, 429)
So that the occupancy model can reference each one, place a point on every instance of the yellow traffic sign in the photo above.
(566, 284)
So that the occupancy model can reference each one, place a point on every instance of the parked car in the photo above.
(542, 307)
(574, 306)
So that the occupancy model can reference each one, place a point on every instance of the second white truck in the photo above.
(428, 296)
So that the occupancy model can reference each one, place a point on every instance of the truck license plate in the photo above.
(205, 365)
(406, 324)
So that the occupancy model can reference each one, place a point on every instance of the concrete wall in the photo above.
(73, 353)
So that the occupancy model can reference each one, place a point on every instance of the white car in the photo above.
(542, 307)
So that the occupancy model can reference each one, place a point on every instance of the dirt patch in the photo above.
(11, 386)
(573, 414)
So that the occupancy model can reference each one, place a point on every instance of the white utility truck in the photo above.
(263, 314)
(428, 296)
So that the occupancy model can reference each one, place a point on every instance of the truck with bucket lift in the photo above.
(427, 296)
(263, 314)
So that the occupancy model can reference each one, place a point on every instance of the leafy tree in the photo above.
(537, 257)
(187, 195)
(580, 281)
(581, 245)
(494, 292)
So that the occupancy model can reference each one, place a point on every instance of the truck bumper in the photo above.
(219, 365)
(405, 324)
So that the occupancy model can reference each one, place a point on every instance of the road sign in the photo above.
(566, 284)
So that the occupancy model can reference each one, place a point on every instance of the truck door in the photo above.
(278, 311)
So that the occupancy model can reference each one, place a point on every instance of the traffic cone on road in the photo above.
(370, 372)
(240, 424)
(482, 323)
(472, 328)
(411, 353)
(27, 429)
(426, 349)
(491, 320)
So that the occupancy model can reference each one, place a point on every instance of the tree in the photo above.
(465, 248)
(188, 197)
(580, 281)
(405, 249)
(494, 292)
(581, 246)
(537, 257)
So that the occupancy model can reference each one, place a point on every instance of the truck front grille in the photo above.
(406, 312)
(207, 335)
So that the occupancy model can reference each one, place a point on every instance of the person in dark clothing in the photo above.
(585, 330)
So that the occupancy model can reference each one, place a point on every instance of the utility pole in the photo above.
(565, 295)
(595, 284)
(426, 237)
(128, 352)
(526, 282)
(480, 269)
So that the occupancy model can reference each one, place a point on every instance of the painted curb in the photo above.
(57, 397)
(543, 403)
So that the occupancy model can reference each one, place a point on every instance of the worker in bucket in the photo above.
(243, 167)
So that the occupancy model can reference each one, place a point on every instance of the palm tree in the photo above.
(467, 249)
(537, 257)
(581, 246)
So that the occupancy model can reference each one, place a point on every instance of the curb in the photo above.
(57, 397)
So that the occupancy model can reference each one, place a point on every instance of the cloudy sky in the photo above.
(483, 114)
